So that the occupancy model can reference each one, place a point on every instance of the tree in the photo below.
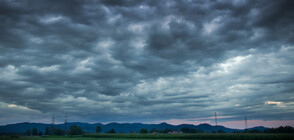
(144, 130)
(220, 131)
(40, 133)
(59, 131)
(166, 130)
(28, 132)
(153, 130)
(192, 130)
(47, 130)
(98, 129)
(254, 131)
(188, 130)
(185, 130)
(52, 130)
(281, 129)
(111, 131)
(199, 131)
(35, 131)
(75, 130)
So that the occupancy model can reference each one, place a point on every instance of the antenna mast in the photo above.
(215, 116)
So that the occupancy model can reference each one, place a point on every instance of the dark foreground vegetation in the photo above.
(76, 130)
(232, 136)
(138, 136)
(76, 133)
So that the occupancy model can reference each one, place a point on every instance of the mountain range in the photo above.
(118, 127)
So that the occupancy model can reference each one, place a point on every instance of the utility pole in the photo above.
(215, 116)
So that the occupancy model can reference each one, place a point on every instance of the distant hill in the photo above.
(118, 127)
(260, 128)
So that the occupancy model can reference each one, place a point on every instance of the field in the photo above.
(203, 136)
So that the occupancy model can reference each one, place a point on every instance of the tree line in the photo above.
(281, 129)
(169, 130)
(73, 130)
(76, 130)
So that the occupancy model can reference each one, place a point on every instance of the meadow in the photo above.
(203, 136)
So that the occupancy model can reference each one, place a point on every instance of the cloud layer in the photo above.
(145, 61)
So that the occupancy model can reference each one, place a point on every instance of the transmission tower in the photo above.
(245, 122)
(53, 120)
(215, 116)
(65, 123)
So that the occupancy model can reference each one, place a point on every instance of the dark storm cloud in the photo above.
(130, 60)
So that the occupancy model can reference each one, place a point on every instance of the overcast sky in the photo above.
(147, 61)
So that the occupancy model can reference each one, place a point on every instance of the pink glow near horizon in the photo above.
(253, 123)
(197, 121)
(182, 121)
(235, 124)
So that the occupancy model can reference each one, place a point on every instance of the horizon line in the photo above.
(134, 123)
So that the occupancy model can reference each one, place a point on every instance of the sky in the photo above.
(147, 61)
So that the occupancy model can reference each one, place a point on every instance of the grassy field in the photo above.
(231, 136)
(202, 136)
(57, 138)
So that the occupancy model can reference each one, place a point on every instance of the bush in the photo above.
(75, 130)
(144, 130)
(111, 131)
